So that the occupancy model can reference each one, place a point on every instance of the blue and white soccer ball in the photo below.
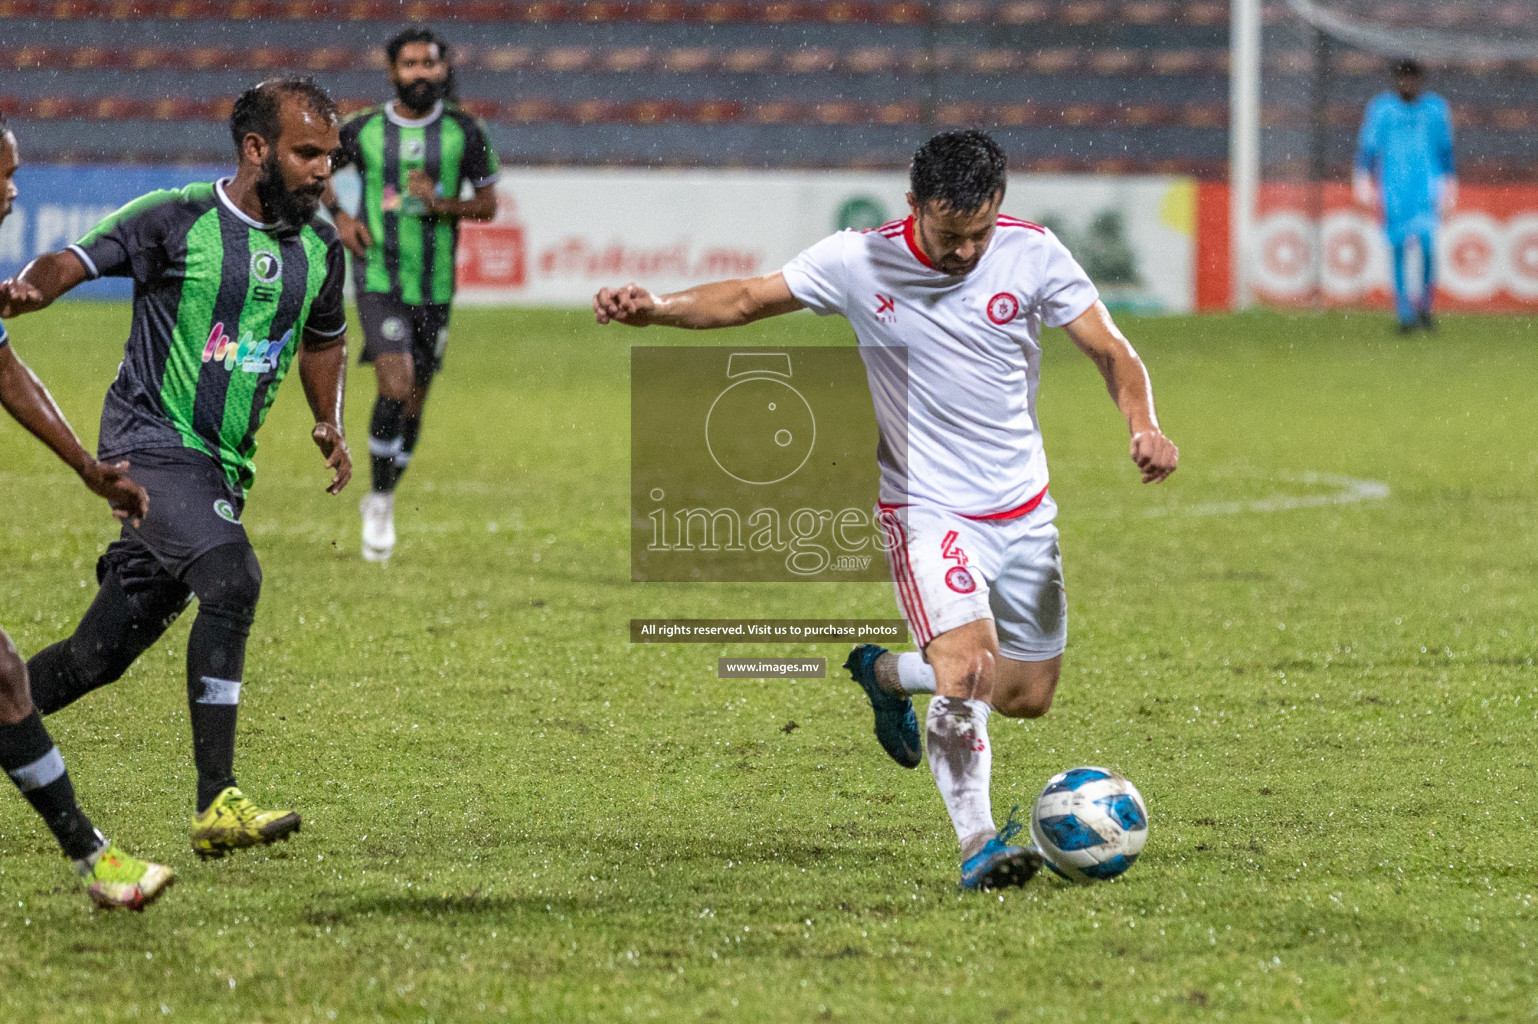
(1090, 824)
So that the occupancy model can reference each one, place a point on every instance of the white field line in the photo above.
(1348, 490)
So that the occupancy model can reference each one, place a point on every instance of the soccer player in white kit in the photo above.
(964, 503)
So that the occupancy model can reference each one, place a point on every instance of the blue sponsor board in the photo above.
(59, 203)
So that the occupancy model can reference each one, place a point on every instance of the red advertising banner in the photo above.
(1486, 250)
(492, 256)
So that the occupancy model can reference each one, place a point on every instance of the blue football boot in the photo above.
(998, 865)
(897, 726)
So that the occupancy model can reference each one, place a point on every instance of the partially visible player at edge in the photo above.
(414, 153)
(27, 752)
(964, 501)
(232, 280)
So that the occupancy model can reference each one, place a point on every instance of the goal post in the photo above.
(1244, 142)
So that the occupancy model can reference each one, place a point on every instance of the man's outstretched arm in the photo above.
(1127, 380)
(703, 307)
(40, 282)
(25, 398)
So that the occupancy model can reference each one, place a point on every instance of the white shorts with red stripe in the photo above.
(949, 570)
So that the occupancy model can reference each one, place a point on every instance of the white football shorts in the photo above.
(949, 570)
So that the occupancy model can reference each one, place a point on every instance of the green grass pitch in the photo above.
(513, 814)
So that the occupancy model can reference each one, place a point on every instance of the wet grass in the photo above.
(511, 813)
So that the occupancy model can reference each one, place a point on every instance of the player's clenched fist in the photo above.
(1154, 454)
(111, 481)
(630, 304)
(17, 297)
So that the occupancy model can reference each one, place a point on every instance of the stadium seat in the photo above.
(1148, 12)
(1053, 62)
(689, 60)
(1114, 61)
(1513, 119)
(506, 58)
(624, 60)
(785, 75)
(1142, 115)
(750, 60)
(567, 58)
(1204, 115)
(869, 60)
(960, 115)
(964, 12)
(811, 60)
(1085, 12)
(1024, 12)
(1018, 115)
(993, 61)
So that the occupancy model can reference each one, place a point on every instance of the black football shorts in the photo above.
(193, 509)
(392, 326)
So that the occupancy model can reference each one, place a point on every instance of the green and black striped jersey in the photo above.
(221, 302)
(412, 256)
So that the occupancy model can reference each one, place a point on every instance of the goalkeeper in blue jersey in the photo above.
(1405, 151)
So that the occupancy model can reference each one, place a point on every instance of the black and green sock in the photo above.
(385, 442)
(411, 429)
(29, 757)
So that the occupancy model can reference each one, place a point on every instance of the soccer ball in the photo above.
(1090, 824)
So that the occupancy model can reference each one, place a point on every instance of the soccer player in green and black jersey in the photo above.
(233, 281)
(27, 752)
(415, 154)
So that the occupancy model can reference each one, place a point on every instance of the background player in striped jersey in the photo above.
(961, 293)
(27, 752)
(415, 155)
(233, 280)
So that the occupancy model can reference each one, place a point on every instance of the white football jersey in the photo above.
(958, 428)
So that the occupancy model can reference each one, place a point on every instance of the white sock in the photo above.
(961, 759)
(914, 674)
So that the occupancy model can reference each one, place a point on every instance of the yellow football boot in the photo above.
(233, 822)
(118, 880)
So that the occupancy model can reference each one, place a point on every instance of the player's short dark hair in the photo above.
(259, 108)
(415, 34)
(961, 171)
(1407, 67)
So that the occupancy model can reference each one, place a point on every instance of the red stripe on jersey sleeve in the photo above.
(1016, 222)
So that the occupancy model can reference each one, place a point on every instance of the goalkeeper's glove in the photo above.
(1447, 194)
(1362, 188)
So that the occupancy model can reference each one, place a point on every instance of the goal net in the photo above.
(1318, 63)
